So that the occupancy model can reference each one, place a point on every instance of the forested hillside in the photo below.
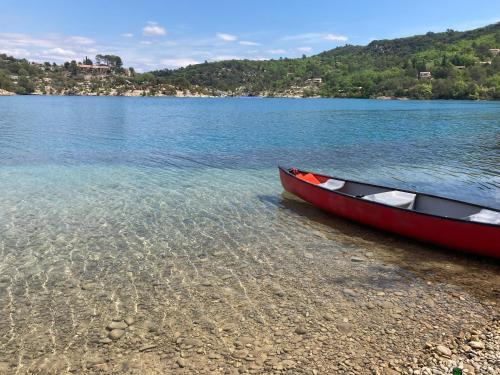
(448, 65)
(462, 65)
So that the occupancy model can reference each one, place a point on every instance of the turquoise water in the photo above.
(444, 147)
(126, 206)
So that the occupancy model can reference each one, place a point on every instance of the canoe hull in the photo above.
(461, 235)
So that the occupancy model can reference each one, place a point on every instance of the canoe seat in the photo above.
(333, 184)
(485, 216)
(394, 198)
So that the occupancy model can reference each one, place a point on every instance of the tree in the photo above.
(87, 61)
(110, 60)
(483, 50)
(422, 91)
(73, 68)
(24, 86)
(5, 82)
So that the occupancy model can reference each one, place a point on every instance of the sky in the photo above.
(157, 34)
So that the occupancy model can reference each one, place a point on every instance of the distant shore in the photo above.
(139, 93)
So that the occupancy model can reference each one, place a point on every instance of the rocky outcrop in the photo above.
(6, 93)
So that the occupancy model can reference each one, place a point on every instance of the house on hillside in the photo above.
(95, 69)
(314, 81)
(424, 75)
(495, 51)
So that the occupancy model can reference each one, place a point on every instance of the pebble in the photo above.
(469, 368)
(301, 330)
(87, 286)
(240, 354)
(214, 356)
(328, 317)
(129, 320)
(279, 293)
(192, 342)
(357, 259)
(94, 361)
(349, 292)
(147, 347)
(181, 362)
(117, 325)
(115, 334)
(443, 350)
(344, 327)
(476, 345)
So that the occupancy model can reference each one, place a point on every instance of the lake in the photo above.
(169, 211)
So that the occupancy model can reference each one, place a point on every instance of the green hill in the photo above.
(461, 64)
(448, 65)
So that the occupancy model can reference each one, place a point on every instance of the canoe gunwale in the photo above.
(443, 217)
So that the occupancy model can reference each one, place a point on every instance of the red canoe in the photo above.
(441, 221)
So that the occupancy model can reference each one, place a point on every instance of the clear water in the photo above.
(127, 206)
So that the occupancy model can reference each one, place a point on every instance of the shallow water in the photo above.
(170, 211)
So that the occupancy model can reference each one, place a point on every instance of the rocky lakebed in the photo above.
(339, 300)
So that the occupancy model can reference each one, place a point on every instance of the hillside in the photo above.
(449, 65)
(462, 65)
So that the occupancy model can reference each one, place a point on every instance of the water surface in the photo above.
(171, 211)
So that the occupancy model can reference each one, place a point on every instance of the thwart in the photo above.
(441, 221)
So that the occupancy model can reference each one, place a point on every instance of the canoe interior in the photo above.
(423, 203)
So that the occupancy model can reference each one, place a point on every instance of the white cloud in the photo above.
(60, 52)
(178, 62)
(17, 52)
(153, 29)
(128, 35)
(277, 51)
(226, 57)
(80, 40)
(304, 49)
(17, 39)
(316, 37)
(146, 42)
(335, 38)
(226, 37)
(248, 43)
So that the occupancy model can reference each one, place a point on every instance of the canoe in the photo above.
(441, 221)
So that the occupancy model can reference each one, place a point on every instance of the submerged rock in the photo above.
(301, 330)
(116, 334)
(117, 325)
(129, 320)
(350, 292)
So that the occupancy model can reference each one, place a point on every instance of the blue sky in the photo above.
(157, 34)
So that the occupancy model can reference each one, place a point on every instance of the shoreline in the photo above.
(384, 98)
